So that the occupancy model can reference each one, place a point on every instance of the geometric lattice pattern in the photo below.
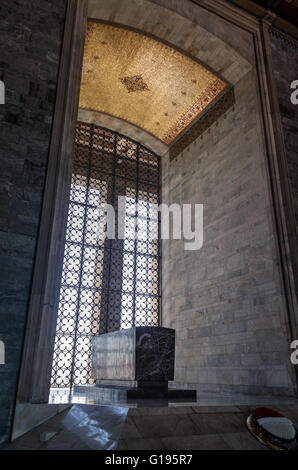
(106, 285)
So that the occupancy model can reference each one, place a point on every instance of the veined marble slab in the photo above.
(144, 354)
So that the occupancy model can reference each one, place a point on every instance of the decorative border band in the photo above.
(276, 33)
(203, 123)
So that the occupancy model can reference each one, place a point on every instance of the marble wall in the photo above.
(285, 64)
(31, 35)
(225, 301)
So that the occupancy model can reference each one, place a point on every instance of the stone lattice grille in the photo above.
(106, 285)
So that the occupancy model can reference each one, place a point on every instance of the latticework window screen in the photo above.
(106, 284)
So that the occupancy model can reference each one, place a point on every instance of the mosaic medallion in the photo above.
(135, 83)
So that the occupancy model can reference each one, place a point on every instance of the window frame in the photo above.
(112, 165)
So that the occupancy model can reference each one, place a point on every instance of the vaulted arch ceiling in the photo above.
(144, 81)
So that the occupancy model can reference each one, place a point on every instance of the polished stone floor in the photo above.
(62, 396)
(194, 427)
(80, 427)
(208, 423)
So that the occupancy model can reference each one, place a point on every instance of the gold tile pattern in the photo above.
(144, 81)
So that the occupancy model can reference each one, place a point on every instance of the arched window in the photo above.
(106, 284)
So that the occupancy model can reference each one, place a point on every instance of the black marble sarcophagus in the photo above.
(142, 358)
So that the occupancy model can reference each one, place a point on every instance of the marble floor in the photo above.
(63, 396)
(80, 427)
(194, 427)
(207, 424)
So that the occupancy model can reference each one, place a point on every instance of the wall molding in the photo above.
(231, 13)
(284, 37)
(281, 190)
(35, 372)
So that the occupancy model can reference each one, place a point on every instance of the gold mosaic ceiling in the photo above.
(144, 81)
